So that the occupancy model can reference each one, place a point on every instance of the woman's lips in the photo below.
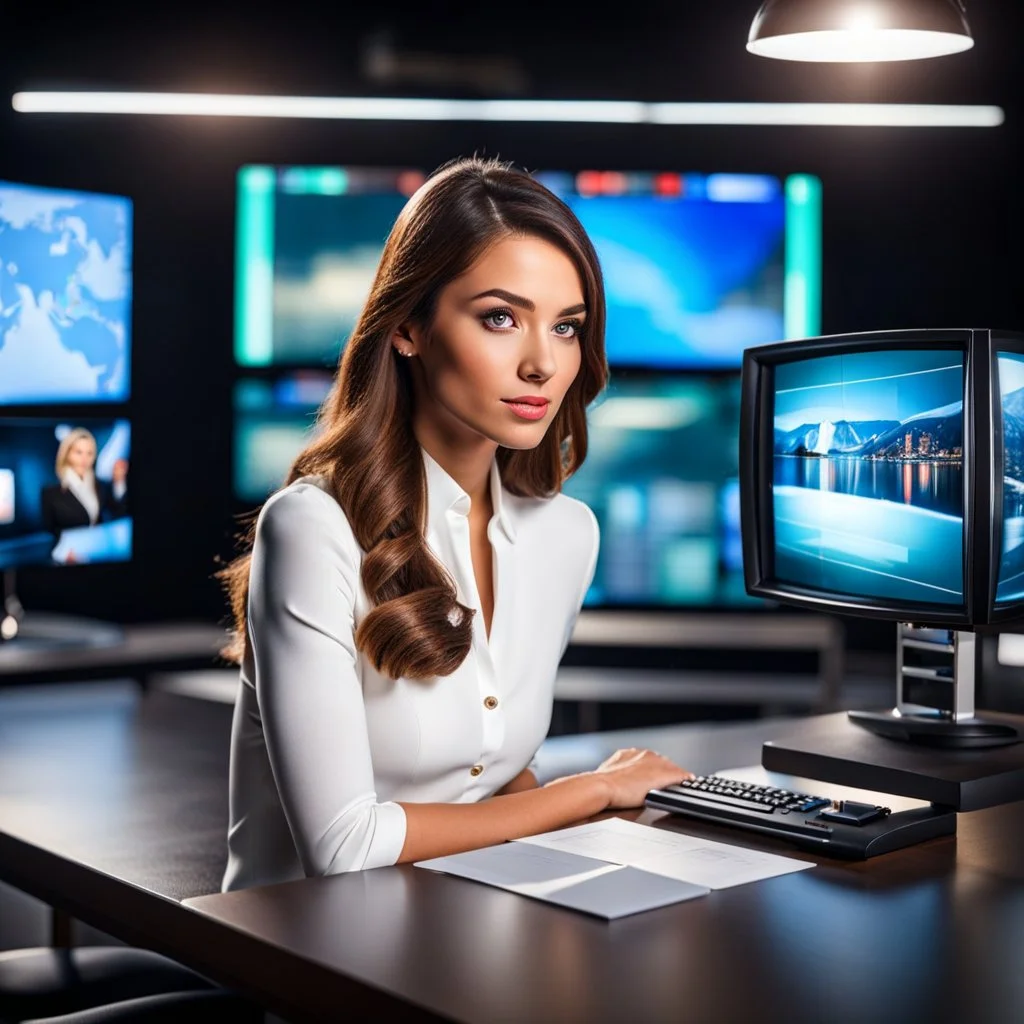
(528, 408)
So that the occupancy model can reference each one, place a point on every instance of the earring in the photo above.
(406, 354)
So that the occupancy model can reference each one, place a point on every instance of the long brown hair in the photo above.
(365, 447)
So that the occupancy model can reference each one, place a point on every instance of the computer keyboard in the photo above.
(807, 819)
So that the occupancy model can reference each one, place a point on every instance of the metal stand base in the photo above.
(935, 731)
(936, 671)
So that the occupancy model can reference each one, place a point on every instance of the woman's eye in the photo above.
(498, 320)
(568, 329)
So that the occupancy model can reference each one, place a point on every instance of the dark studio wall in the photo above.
(921, 226)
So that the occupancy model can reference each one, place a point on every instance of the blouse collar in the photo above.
(444, 495)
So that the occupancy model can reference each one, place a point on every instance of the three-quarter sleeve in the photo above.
(303, 581)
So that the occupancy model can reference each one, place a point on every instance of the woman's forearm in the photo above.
(523, 781)
(437, 830)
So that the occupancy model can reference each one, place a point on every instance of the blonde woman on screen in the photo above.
(80, 498)
(412, 588)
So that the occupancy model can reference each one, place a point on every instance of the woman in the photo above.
(412, 588)
(80, 499)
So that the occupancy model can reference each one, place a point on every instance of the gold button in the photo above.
(490, 703)
(476, 770)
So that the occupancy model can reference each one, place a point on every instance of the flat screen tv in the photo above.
(65, 296)
(697, 267)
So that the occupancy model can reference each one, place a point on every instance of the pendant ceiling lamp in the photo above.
(859, 30)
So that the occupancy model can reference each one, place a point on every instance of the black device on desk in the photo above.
(838, 827)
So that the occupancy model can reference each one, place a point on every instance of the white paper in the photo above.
(567, 879)
(673, 854)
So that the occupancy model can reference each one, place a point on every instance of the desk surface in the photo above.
(137, 648)
(135, 784)
(113, 806)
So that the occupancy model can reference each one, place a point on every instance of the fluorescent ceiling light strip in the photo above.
(371, 108)
(341, 108)
(894, 115)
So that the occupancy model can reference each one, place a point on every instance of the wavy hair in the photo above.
(365, 448)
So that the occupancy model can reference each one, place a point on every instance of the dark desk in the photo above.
(114, 809)
(138, 650)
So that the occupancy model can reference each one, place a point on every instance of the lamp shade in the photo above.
(859, 30)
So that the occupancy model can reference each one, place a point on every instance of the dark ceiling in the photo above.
(674, 51)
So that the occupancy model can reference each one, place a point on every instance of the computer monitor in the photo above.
(881, 475)
(662, 477)
(65, 296)
(64, 492)
(697, 266)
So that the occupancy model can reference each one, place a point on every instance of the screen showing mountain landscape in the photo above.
(1010, 585)
(868, 475)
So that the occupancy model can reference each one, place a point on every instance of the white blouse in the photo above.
(323, 746)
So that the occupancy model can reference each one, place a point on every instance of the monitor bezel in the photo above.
(756, 420)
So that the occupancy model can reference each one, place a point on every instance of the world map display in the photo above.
(65, 295)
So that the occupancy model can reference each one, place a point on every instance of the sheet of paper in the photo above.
(567, 879)
(673, 854)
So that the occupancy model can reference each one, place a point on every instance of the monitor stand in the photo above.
(935, 676)
(45, 631)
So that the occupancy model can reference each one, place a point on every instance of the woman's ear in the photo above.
(403, 340)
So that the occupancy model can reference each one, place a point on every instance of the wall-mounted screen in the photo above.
(65, 295)
(661, 477)
(308, 243)
(274, 420)
(697, 267)
(64, 491)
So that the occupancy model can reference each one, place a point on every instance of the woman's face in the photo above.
(81, 456)
(507, 329)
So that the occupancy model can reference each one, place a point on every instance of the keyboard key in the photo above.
(699, 799)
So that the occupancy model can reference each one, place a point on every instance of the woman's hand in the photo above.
(632, 773)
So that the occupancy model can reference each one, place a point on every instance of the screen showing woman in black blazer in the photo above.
(80, 499)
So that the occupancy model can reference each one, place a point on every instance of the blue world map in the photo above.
(65, 295)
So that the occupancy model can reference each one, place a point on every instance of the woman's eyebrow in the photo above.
(527, 304)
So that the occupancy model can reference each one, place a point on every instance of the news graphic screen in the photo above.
(661, 477)
(868, 475)
(308, 243)
(274, 420)
(64, 491)
(697, 267)
(1010, 581)
(65, 296)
